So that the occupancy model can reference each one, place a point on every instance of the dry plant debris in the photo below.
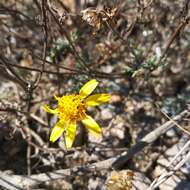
(138, 50)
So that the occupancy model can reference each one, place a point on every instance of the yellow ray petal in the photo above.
(57, 98)
(49, 110)
(97, 99)
(91, 125)
(88, 88)
(70, 135)
(57, 131)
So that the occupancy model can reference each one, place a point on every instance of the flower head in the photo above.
(72, 108)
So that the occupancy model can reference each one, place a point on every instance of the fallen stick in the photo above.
(19, 182)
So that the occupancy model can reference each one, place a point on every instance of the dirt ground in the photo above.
(138, 51)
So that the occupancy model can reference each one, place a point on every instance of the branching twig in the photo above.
(170, 168)
(12, 71)
(64, 33)
(44, 5)
(176, 124)
(148, 139)
(22, 181)
(73, 72)
(179, 28)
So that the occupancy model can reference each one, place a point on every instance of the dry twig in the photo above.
(20, 182)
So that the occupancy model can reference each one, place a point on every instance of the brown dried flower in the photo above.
(96, 18)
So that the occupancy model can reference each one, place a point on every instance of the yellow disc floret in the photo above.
(71, 108)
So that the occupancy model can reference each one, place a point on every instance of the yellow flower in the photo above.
(72, 108)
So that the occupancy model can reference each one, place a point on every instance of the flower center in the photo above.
(71, 108)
